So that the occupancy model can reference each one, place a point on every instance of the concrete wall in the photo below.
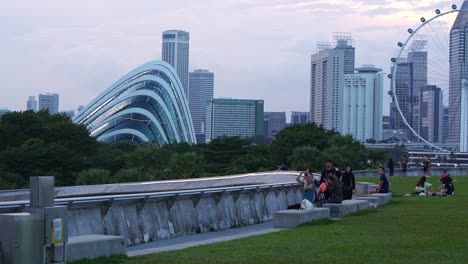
(417, 171)
(170, 217)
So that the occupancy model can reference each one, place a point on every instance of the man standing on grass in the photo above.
(383, 182)
(327, 173)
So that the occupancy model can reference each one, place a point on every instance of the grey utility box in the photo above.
(41, 192)
(21, 237)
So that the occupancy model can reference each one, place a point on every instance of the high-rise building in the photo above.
(32, 104)
(300, 117)
(326, 87)
(201, 89)
(431, 112)
(445, 124)
(234, 117)
(344, 41)
(410, 78)
(274, 122)
(175, 51)
(49, 101)
(362, 103)
(458, 71)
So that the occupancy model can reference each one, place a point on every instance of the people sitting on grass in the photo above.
(383, 182)
(348, 183)
(447, 188)
(335, 187)
(423, 187)
(305, 180)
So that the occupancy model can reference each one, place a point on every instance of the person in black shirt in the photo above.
(335, 187)
(327, 173)
(348, 183)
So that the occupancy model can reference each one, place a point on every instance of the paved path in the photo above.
(201, 239)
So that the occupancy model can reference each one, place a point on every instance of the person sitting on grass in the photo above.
(335, 187)
(383, 182)
(443, 175)
(305, 180)
(422, 186)
(447, 188)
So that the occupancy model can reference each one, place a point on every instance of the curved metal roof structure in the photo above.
(147, 104)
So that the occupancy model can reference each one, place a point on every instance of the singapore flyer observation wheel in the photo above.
(420, 72)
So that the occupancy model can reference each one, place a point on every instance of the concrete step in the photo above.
(293, 218)
(91, 246)
(346, 207)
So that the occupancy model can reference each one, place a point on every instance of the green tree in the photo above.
(94, 176)
(343, 150)
(305, 157)
(185, 165)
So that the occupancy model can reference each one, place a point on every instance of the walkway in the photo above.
(201, 239)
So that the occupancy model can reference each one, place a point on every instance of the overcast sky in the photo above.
(258, 49)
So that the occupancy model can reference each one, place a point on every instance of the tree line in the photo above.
(40, 144)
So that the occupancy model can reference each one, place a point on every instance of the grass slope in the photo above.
(407, 230)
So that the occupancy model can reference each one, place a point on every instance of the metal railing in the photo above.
(107, 200)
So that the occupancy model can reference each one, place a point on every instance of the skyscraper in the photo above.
(234, 117)
(458, 70)
(175, 51)
(275, 122)
(344, 41)
(300, 117)
(49, 101)
(410, 78)
(431, 113)
(464, 117)
(201, 89)
(362, 103)
(445, 124)
(32, 104)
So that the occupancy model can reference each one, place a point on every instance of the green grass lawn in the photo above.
(407, 230)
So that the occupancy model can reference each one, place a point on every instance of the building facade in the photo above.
(50, 102)
(31, 104)
(175, 51)
(458, 71)
(201, 90)
(274, 122)
(234, 117)
(445, 124)
(410, 79)
(300, 117)
(431, 114)
(363, 104)
(145, 105)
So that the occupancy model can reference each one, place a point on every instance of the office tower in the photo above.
(201, 89)
(300, 117)
(386, 123)
(410, 78)
(175, 51)
(445, 124)
(234, 117)
(362, 103)
(464, 117)
(344, 41)
(274, 122)
(431, 112)
(32, 104)
(327, 70)
(49, 101)
(458, 71)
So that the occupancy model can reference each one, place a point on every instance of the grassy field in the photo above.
(407, 230)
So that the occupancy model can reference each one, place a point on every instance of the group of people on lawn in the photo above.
(424, 188)
(334, 185)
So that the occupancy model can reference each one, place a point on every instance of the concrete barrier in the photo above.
(293, 218)
(384, 197)
(364, 188)
(346, 207)
(91, 246)
(373, 201)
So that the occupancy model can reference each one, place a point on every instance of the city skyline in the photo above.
(83, 47)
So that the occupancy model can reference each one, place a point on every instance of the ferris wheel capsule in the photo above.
(390, 76)
(393, 60)
(410, 30)
(437, 11)
(454, 7)
(423, 19)
(400, 44)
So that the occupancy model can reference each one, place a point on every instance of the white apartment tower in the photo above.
(175, 51)
(362, 103)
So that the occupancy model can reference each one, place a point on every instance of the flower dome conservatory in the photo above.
(146, 105)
